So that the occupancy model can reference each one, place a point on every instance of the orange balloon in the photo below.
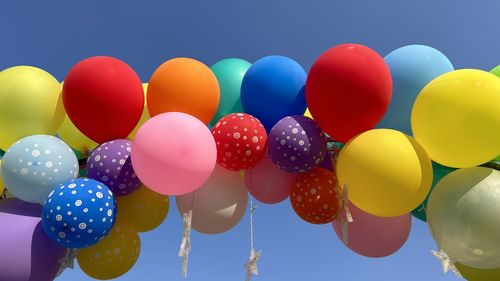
(315, 196)
(184, 85)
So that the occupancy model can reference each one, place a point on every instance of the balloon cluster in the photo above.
(360, 141)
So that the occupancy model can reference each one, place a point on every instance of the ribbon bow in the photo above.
(185, 248)
(251, 265)
(346, 218)
(447, 262)
(68, 261)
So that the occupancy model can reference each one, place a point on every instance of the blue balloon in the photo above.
(79, 213)
(35, 165)
(412, 68)
(273, 88)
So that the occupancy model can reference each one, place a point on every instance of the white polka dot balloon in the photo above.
(79, 213)
(110, 164)
(297, 144)
(35, 165)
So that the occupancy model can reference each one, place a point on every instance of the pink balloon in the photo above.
(219, 204)
(173, 153)
(373, 236)
(268, 183)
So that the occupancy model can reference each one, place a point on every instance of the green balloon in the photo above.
(474, 274)
(439, 172)
(496, 70)
(462, 214)
(229, 73)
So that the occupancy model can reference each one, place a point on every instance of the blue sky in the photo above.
(56, 35)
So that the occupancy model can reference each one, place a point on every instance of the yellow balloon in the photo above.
(388, 173)
(308, 114)
(30, 104)
(474, 274)
(145, 113)
(143, 209)
(112, 257)
(456, 118)
(70, 134)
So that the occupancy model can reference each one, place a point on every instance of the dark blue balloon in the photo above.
(79, 213)
(273, 87)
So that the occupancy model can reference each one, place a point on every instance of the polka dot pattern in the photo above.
(315, 196)
(34, 165)
(114, 255)
(111, 164)
(241, 141)
(79, 213)
(297, 144)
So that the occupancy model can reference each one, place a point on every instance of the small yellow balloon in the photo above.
(474, 274)
(388, 173)
(112, 257)
(30, 104)
(456, 118)
(308, 114)
(70, 134)
(145, 113)
(144, 209)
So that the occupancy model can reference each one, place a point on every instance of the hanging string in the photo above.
(447, 262)
(3, 195)
(68, 261)
(251, 264)
(346, 218)
(185, 247)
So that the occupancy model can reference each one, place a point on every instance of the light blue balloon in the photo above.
(35, 165)
(412, 68)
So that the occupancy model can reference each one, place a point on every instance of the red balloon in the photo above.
(103, 97)
(241, 141)
(315, 196)
(348, 90)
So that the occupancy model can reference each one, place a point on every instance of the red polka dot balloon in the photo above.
(241, 141)
(315, 196)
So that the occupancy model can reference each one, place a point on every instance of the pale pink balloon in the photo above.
(173, 153)
(268, 183)
(219, 204)
(373, 236)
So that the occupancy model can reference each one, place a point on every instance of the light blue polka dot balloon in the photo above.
(79, 213)
(35, 165)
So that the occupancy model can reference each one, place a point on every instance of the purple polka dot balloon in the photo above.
(110, 164)
(297, 144)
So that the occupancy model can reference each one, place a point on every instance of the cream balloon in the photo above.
(219, 204)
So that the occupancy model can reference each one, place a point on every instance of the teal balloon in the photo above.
(463, 216)
(229, 73)
(35, 165)
(439, 172)
(412, 68)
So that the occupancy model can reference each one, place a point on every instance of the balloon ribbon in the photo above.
(447, 262)
(4, 194)
(68, 261)
(346, 217)
(185, 248)
(251, 264)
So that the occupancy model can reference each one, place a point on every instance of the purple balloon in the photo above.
(297, 144)
(327, 162)
(26, 253)
(110, 164)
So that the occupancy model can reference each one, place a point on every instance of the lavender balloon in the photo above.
(110, 164)
(26, 253)
(297, 144)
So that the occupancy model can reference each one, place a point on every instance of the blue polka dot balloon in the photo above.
(35, 165)
(79, 213)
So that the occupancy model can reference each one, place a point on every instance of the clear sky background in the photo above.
(55, 34)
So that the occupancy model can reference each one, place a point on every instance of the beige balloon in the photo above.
(219, 204)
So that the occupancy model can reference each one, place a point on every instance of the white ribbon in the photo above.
(346, 217)
(251, 264)
(186, 241)
(68, 261)
(447, 262)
